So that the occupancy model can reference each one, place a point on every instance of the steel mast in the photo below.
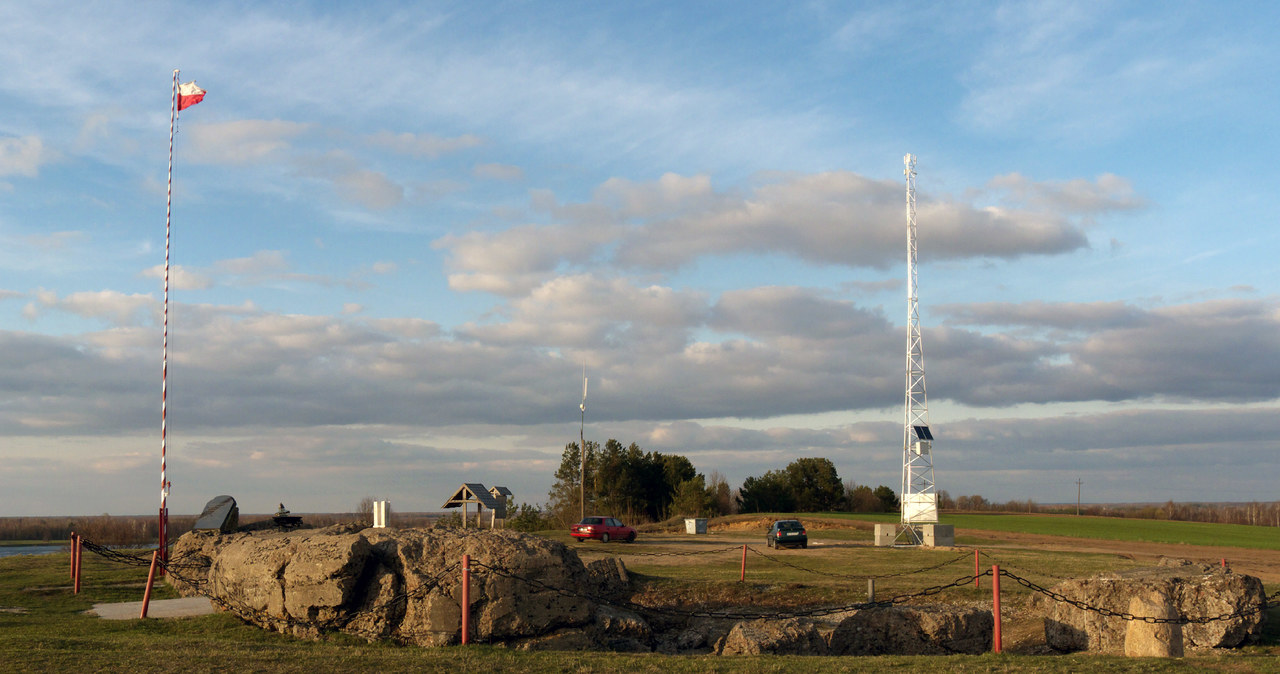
(919, 500)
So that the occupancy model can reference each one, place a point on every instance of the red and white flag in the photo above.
(189, 94)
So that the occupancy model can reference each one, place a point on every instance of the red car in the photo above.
(605, 528)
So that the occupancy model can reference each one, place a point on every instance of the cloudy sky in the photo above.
(399, 233)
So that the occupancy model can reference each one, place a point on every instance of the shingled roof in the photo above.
(474, 492)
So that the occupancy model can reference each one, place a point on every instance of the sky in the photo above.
(401, 231)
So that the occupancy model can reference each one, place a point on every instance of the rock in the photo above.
(914, 630)
(609, 575)
(621, 630)
(618, 622)
(397, 584)
(1193, 590)
(1144, 639)
(571, 639)
(787, 636)
(680, 641)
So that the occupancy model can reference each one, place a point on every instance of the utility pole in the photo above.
(582, 450)
(1078, 483)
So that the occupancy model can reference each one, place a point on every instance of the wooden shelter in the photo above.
(474, 492)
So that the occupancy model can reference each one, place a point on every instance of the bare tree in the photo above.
(364, 512)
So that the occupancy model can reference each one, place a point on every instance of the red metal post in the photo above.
(72, 546)
(151, 578)
(742, 578)
(163, 548)
(995, 606)
(466, 599)
(76, 554)
(977, 579)
(1224, 562)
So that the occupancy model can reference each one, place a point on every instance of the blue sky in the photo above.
(400, 230)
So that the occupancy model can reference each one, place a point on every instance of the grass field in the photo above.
(43, 626)
(1102, 528)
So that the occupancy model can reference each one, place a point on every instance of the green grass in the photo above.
(1103, 528)
(54, 634)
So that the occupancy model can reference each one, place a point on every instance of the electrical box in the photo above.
(939, 535)
(920, 508)
(885, 533)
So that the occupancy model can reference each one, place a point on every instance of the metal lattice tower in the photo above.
(919, 500)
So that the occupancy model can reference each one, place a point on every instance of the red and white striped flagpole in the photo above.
(164, 362)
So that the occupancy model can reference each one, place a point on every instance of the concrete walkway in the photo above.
(159, 608)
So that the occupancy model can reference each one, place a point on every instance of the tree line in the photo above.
(811, 485)
(631, 483)
(1263, 514)
(642, 486)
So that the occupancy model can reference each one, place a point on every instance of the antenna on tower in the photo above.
(919, 499)
(582, 449)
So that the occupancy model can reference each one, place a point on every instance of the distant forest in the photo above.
(1263, 514)
(144, 529)
(648, 486)
(141, 530)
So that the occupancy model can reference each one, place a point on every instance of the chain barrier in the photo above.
(126, 558)
(1125, 615)
(244, 610)
(690, 553)
(114, 555)
(724, 614)
(778, 560)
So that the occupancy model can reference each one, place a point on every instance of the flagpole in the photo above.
(164, 361)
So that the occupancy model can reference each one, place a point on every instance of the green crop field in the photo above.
(1103, 528)
(43, 626)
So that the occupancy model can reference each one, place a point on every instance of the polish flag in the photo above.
(189, 94)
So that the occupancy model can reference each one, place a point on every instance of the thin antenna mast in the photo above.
(582, 449)
(919, 500)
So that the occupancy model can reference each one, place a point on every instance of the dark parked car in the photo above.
(605, 528)
(787, 532)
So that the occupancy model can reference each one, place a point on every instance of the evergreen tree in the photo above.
(815, 485)
(563, 501)
(770, 492)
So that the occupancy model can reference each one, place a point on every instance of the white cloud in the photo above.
(369, 188)
(1059, 315)
(516, 260)
(55, 240)
(671, 194)
(110, 305)
(23, 156)
(1106, 193)
(425, 145)
(244, 370)
(260, 263)
(246, 141)
(180, 277)
(498, 172)
(834, 218)
(587, 312)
